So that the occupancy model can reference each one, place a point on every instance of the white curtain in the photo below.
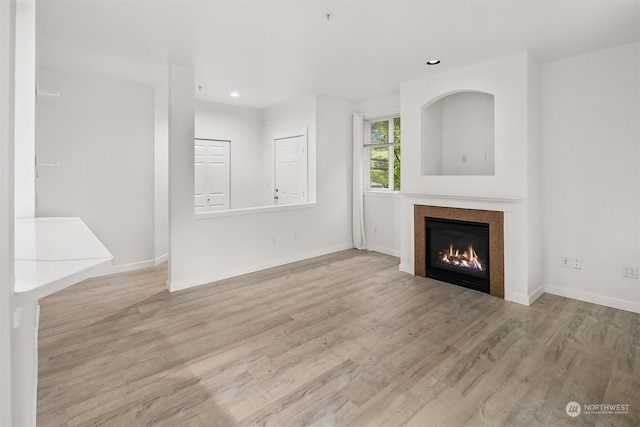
(359, 240)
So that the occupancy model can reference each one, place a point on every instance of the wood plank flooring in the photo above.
(344, 339)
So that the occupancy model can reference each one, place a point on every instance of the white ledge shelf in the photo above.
(254, 210)
(54, 253)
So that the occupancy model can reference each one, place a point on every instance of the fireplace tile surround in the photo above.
(495, 219)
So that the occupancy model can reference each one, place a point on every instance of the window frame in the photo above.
(390, 147)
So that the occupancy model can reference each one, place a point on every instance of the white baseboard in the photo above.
(535, 295)
(174, 286)
(383, 250)
(115, 269)
(517, 298)
(406, 269)
(525, 299)
(631, 306)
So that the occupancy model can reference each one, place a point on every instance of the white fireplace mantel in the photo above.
(470, 197)
(504, 203)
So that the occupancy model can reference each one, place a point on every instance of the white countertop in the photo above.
(53, 253)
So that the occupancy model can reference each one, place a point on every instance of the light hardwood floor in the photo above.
(343, 339)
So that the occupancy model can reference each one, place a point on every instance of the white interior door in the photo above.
(212, 175)
(218, 175)
(290, 170)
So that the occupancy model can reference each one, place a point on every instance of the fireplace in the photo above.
(458, 252)
(492, 250)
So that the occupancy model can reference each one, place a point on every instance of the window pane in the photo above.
(379, 167)
(396, 130)
(396, 167)
(379, 132)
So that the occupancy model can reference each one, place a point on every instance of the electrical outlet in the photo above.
(395, 233)
(566, 262)
(577, 263)
(375, 230)
(630, 272)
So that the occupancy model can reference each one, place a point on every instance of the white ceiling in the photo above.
(275, 51)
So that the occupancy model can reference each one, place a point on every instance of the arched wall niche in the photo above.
(458, 134)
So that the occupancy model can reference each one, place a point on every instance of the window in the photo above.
(382, 153)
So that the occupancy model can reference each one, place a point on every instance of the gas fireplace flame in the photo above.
(467, 259)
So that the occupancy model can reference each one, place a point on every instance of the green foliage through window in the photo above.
(380, 152)
(379, 167)
(396, 168)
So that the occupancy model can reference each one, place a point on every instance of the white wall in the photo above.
(21, 150)
(535, 227)
(466, 134)
(102, 133)
(509, 80)
(7, 106)
(457, 135)
(206, 250)
(382, 222)
(382, 209)
(18, 330)
(431, 140)
(506, 79)
(591, 175)
(25, 80)
(244, 128)
(161, 166)
(378, 105)
(83, 60)
(334, 163)
(181, 174)
(293, 115)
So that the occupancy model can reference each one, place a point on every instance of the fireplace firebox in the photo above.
(457, 252)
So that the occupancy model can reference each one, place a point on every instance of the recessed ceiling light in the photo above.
(433, 62)
(234, 94)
